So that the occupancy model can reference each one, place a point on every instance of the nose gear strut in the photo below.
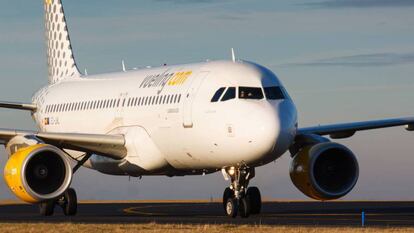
(238, 199)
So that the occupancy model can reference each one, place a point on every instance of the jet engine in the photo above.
(324, 171)
(38, 173)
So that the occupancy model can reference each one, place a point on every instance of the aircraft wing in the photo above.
(19, 106)
(111, 146)
(345, 130)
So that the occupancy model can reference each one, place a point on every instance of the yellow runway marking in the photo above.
(138, 210)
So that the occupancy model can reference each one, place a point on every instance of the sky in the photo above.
(340, 60)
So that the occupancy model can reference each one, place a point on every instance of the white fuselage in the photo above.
(170, 123)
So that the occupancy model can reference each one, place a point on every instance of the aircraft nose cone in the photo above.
(287, 115)
(272, 131)
(262, 131)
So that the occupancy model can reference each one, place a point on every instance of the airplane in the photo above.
(228, 116)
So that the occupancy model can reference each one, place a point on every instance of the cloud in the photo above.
(188, 1)
(230, 17)
(361, 3)
(361, 60)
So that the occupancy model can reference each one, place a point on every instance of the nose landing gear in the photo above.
(238, 199)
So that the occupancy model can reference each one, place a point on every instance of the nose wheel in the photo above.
(238, 199)
(68, 201)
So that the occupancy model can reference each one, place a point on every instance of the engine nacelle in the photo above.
(37, 173)
(324, 171)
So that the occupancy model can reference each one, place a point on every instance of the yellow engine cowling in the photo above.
(38, 173)
(324, 171)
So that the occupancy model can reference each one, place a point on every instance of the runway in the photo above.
(273, 213)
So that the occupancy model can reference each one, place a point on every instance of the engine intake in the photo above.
(38, 173)
(324, 171)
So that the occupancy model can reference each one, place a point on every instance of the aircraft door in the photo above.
(190, 97)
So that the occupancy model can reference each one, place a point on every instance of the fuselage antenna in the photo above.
(123, 66)
(233, 56)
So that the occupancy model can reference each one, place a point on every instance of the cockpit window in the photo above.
(230, 94)
(218, 94)
(274, 93)
(251, 93)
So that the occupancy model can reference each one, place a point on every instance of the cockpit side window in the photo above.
(274, 93)
(218, 94)
(230, 94)
(255, 93)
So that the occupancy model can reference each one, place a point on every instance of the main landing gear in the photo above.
(68, 201)
(238, 199)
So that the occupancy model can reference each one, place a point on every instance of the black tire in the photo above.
(255, 200)
(232, 207)
(244, 208)
(47, 208)
(70, 206)
(228, 193)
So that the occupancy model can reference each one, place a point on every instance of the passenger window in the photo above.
(218, 94)
(255, 93)
(274, 93)
(230, 94)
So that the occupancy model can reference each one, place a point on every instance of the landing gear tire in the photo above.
(228, 193)
(244, 208)
(70, 202)
(232, 207)
(255, 200)
(47, 208)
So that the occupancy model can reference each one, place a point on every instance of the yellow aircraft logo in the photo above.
(179, 78)
(48, 2)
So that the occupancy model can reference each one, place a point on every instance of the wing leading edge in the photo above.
(345, 130)
(18, 106)
(111, 146)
